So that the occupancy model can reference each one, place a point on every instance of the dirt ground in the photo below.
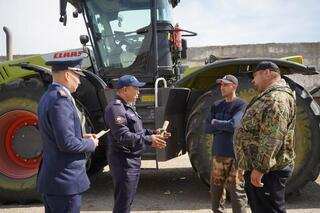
(174, 188)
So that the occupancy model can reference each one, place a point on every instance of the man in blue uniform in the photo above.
(126, 141)
(62, 176)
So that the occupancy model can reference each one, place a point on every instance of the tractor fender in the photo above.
(204, 78)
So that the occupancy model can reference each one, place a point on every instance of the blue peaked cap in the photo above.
(129, 80)
(67, 64)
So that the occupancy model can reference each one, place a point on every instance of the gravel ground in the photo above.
(174, 188)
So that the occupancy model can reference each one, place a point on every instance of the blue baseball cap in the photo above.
(66, 64)
(129, 80)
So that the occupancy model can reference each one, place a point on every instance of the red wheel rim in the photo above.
(12, 163)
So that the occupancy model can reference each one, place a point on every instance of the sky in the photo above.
(36, 29)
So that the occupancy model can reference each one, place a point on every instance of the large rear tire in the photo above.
(96, 161)
(307, 143)
(20, 143)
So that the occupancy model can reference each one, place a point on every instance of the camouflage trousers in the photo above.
(225, 176)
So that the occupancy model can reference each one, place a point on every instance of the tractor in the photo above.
(136, 37)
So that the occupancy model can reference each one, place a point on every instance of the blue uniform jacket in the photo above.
(63, 169)
(127, 134)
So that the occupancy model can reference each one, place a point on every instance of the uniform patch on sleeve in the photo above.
(120, 120)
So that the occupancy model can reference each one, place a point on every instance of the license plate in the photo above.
(147, 98)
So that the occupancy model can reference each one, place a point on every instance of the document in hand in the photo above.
(102, 133)
(164, 127)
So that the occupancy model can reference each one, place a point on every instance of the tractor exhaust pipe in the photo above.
(8, 43)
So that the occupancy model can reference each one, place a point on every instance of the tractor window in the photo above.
(164, 12)
(115, 24)
(124, 32)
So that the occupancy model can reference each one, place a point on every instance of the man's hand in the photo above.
(93, 137)
(87, 136)
(256, 177)
(158, 141)
(165, 134)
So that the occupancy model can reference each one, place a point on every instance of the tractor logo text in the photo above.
(67, 54)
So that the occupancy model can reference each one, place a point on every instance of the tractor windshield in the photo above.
(114, 27)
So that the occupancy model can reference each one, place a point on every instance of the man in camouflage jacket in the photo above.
(264, 145)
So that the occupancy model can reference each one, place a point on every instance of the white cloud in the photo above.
(36, 28)
(248, 21)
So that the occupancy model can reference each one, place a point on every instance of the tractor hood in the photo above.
(204, 77)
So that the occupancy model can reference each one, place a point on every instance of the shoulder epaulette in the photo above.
(62, 93)
(117, 102)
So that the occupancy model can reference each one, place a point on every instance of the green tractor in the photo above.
(135, 37)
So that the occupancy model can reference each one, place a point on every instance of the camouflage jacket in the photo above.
(265, 139)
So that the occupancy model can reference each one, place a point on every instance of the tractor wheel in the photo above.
(307, 144)
(199, 143)
(20, 143)
(96, 161)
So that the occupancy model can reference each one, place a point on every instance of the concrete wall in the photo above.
(310, 52)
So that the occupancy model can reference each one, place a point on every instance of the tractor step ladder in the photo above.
(156, 104)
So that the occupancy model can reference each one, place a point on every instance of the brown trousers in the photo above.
(225, 175)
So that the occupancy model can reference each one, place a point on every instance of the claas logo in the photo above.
(67, 54)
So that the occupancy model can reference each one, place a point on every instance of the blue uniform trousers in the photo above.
(62, 203)
(271, 197)
(125, 173)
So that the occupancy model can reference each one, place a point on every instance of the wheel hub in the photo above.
(20, 144)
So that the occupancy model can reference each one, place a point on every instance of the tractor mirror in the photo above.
(174, 3)
(84, 39)
(75, 14)
(184, 49)
(63, 13)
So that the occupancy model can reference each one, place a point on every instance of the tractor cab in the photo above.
(137, 37)
(131, 37)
